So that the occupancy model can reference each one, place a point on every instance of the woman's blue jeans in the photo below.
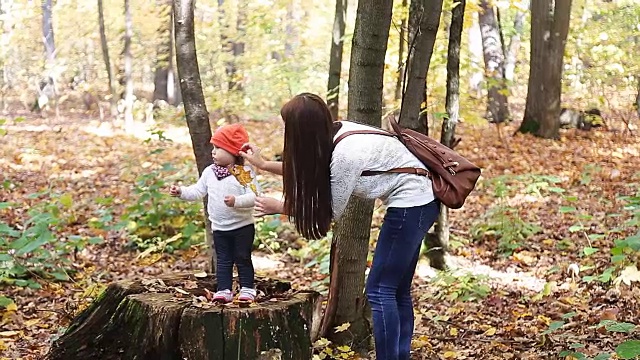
(389, 282)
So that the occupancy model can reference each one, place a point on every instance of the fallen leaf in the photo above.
(190, 284)
(180, 290)
(490, 331)
(449, 354)
(342, 327)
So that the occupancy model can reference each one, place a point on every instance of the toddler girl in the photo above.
(230, 206)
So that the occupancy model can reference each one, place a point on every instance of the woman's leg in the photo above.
(399, 240)
(428, 216)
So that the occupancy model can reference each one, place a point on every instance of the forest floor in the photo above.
(542, 210)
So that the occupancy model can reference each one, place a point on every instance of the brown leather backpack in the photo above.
(453, 176)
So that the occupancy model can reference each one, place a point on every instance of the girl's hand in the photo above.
(174, 190)
(230, 200)
(251, 153)
(268, 206)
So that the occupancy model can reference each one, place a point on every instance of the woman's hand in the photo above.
(251, 153)
(268, 206)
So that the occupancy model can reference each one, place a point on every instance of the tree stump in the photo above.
(172, 317)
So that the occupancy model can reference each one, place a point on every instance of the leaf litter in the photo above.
(535, 307)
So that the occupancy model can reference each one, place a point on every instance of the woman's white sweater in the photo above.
(359, 152)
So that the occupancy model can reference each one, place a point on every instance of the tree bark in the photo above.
(549, 30)
(113, 100)
(164, 84)
(193, 98)
(47, 32)
(497, 105)
(173, 318)
(476, 57)
(514, 46)
(231, 16)
(346, 301)
(128, 68)
(452, 104)
(424, 20)
(335, 59)
(638, 99)
(7, 32)
(51, 74)
(401, 46)
(292, 40)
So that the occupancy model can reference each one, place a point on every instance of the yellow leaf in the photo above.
(342, 327)
(93, 290)
(12, 307)
(344, 348)
(66, 200)
(490, 331)
(420, 341)
(543, 319)
(3, 347)
(322, 342)
(453, 332)
(31, 322)
(449, 354)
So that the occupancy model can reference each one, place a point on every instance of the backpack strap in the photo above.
(402, 170)
(355, 132)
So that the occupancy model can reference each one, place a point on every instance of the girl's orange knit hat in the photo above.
(230, 138)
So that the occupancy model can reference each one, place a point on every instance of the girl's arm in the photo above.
(198, 190)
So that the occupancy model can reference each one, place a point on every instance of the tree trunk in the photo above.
(193, 98)
(292, 40)
(51, 73)
(401, 47)
(476, 57)
(452, 105)
(231, 20)
(497, 105)
(346, 301)
(163, 51)
(47, 32)
(107, 61)
(638, 99)
(173, 318)
(514, 46)
(128, 69)
(335, 60)
(424, 20)
(7, 32)
(549, 30)
(173, 87)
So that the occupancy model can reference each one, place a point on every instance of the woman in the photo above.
(318, 181)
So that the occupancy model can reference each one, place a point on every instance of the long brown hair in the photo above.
(308, 143)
